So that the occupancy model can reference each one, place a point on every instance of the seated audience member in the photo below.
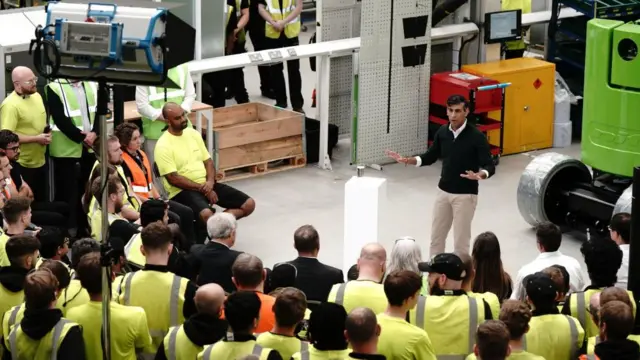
(23, 252)
(558, 279)
(314, 278)
(154, 287)
(566, 288)
(597, 301)
(289, 309)
(203, 328)
(17, 215)
(516, 316)
(32, 337)
(214, 260)
(129, 330)
(620, 232)
(467, 284)
(568, 333)
(242, 310)
(448, 311)
(616, 324)
(399, 339)
(490, 275)
(54, 245)
(89, 203)
(16, 313)
(549, 238)
(45, 213)
(326, 334)
(138, 172)
(366, 291)
(74, 294)
(602, 258)
(189, 173)
(353, 273)
(114, 191)
(492, 341)
(248, 274)
(406, 255)
(362, 332)
(283, 275)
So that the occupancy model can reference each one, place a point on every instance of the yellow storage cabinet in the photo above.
(529, 107)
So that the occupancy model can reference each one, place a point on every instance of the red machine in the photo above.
(484, 95)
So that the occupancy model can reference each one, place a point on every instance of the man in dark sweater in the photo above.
(466, 159)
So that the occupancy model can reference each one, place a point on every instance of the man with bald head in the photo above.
(184, 342)
(362, 331)
(23, 112)
(366, 291)
(188, 172)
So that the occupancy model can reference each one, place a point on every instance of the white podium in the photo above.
(365, 199)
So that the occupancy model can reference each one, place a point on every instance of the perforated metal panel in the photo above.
(340, 20)
(391, 117)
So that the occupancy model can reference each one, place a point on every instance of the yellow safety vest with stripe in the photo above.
(594, 340)
(579, 302)
(158, 293)
(291, 29)
(285, 345)
(177, 345)
(491, 299)
(153, 129)
(127, 198)
(554, 336)
(22, 347)
(525, 6)
(241, 33)
(451, 323)
(11, 317)
(233, 350)
(9, 299)
(132, 251)
(61, 146)
(361, 293)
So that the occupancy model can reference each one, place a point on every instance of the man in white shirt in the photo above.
(620, 231)
(549, 238)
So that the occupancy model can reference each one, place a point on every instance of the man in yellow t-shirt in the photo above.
(188, 171)
(399, 339)
(23, 112)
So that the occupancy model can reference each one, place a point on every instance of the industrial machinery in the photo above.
(584, 195)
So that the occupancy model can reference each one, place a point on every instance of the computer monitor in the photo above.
(502, 26)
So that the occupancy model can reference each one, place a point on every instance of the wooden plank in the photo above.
(265, 151)
(269, 112)
(257, 132)
(255, 170)
(233, 115)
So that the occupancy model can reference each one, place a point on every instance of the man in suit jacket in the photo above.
(314, 278)
(214, 260)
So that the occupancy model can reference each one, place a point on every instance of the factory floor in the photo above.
(289, 199)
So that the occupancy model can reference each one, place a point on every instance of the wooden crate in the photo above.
(256, 139)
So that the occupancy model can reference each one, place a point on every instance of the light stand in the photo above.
(634, 243)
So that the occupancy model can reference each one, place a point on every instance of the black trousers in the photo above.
(70, 176)
(183, 217)
(293, 70)
(38, 180)
(259, 43)
(235, 77)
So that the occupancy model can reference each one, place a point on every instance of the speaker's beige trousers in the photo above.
(452, 209)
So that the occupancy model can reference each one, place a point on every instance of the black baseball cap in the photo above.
(448, 264)
(540, 287)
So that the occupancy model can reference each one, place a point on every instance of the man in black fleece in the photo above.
(23, 252)
(616, 323)
(34, 337)
(203, 328)
(466, 159)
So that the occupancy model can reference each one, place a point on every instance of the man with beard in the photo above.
(188, 171)
(23, 112)
(115, 205)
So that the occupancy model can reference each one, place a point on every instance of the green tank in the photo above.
(584, 194)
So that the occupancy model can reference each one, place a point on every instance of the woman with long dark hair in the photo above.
(490, 275)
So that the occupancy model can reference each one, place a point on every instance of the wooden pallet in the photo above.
(262, 168)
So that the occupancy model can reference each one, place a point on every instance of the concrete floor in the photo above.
(290, 199)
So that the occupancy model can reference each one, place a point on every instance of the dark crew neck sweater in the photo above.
(469, 151)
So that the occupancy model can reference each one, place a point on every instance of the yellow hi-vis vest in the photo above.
(11, 317)
(579, 302)
(594, 340)
(9, 299)
(22, 347)
(4, 259)
(356, 293)
(241, 33)
(132, 251)
(291, 29)
(153, 129)
(525, 6)
(177, 345)
(451, 323)
(554, 337)
(160, 294)
(127, 198)
(61, 146)
(233, 350)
